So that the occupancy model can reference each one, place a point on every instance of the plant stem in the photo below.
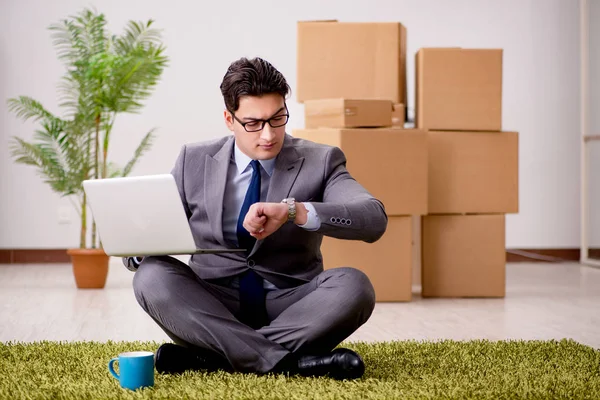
(105, 150)
(86, 175)
(82, 237)
(97, 147)
(105, 144)
(96, 172)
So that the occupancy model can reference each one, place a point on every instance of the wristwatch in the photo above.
(291, 202)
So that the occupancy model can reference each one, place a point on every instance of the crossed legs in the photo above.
(309, 319)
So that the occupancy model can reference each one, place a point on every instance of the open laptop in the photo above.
(142, 216)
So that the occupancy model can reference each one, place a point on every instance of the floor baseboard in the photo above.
(52, 256)
(34, 256)
(542, 255)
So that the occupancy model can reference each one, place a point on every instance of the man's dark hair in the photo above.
(251, 77)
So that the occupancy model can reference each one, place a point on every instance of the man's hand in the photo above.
(265, 218)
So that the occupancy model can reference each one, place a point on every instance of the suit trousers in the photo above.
(312, 318)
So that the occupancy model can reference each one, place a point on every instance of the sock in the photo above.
(288, 364)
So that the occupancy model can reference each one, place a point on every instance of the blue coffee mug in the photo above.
(136, 369)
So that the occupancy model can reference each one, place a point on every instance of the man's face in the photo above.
(267, 142)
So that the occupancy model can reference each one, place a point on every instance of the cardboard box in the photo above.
(459, 89)
(463, 256)
(387, 262)
(398, 115)
(352, 60)
(347, 113)
(390, 163)
(417, 252)
(473, 172)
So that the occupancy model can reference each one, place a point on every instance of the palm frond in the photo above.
(42, 157)
(79, 38)
(52, 150)
(25, 152)
(70, 91)
(77, 98)
(137, 34)
(58, 153)
(113, 170)
(75, 144)
(144, 146)
(26, 108)
(134, 79)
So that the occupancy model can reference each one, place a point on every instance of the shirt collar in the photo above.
(242, 161)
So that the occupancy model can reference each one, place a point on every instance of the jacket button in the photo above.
(251, 263)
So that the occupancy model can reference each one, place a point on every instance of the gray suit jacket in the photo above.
(307, 171)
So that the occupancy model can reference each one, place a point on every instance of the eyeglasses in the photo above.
(259, 124)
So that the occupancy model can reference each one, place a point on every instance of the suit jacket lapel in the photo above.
(287, 167)
(215, 179)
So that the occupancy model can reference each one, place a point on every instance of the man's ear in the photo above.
(228, 120)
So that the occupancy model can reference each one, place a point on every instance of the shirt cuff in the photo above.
(312, 221)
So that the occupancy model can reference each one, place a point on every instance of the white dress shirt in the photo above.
(239, 175)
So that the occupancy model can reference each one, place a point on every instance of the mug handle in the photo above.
(111, 369)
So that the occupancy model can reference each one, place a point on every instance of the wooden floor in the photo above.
(544, 301)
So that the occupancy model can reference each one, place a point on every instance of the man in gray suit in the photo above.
(272, 309)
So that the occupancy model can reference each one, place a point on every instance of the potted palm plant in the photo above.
(105, 75)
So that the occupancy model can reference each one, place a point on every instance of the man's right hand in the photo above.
(265, 218)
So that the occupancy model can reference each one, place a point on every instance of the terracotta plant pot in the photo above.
(90, 267)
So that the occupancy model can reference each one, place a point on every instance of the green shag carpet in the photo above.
(427, 370)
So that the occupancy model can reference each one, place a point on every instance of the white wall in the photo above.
(593, 148)
(540, 39)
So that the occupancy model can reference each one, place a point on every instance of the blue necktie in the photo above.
(252, 293)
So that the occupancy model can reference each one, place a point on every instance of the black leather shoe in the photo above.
(339, 364)
(174, 359)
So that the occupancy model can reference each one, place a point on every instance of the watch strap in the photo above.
(291, 203)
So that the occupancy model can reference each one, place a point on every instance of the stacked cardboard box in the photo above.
(458, 169)
(392, 165)
(472, 172)
(352, 81)
(351, 60)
